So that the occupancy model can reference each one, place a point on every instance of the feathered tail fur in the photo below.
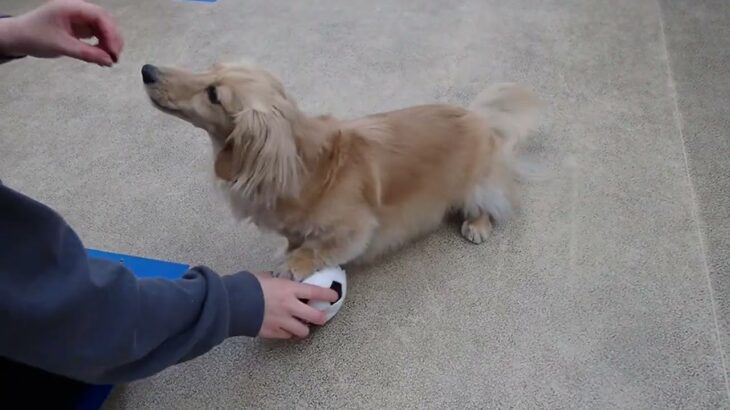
(512, 112)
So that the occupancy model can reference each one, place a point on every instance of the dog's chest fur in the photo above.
(284, 219)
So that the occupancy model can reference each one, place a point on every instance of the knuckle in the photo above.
(317, 317)
(86, 56)
(303, 331)
(321, 318)
(292, 305)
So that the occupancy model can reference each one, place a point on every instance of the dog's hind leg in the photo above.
(489, 201)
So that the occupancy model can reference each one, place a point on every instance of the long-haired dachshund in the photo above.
(349, 190)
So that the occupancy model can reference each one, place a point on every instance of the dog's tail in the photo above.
(511, 110)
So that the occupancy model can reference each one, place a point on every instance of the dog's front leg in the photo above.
(336, 247)
(293, 242)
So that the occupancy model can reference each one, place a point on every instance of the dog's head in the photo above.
(247, 114)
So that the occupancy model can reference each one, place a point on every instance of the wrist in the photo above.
(10, 47)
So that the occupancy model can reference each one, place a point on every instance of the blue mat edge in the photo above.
(143, 267)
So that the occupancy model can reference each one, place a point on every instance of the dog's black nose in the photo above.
(149, 74)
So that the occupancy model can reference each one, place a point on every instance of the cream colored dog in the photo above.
(350, 190)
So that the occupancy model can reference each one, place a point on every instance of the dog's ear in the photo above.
(260, 155)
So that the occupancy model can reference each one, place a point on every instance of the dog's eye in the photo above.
(213, 95)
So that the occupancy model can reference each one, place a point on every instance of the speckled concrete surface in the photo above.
(698, 37)
(595, 296)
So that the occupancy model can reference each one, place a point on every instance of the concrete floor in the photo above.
(609, 290)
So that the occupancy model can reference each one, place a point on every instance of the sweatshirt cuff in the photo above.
(245, 304)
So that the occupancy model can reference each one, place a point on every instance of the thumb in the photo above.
(86, 52)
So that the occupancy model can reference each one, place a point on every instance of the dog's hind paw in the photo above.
(477, 230)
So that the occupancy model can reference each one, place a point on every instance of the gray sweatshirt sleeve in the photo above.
(94, 320)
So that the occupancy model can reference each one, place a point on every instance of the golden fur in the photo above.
(349, 190)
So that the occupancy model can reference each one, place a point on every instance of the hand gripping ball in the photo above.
(333, 278)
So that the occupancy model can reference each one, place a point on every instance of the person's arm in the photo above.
(93, 320)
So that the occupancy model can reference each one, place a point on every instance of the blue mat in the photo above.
(94, 395)
(143, 267)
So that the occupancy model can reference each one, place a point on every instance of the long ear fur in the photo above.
(260, 156)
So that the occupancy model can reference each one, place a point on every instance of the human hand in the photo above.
(56, 28)
(283, 309)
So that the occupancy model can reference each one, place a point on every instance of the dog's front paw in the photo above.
(301, 264)
(476, 230)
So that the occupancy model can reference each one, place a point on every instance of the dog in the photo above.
(348, 191)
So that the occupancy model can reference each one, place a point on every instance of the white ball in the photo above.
(333, 278)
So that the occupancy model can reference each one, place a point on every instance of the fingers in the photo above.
(312, 292)
(280, 334)
(275, 333)
(296, 328)
(285, 312)
(81, 31)
(308, 314)
(86, 52)
(101, 23)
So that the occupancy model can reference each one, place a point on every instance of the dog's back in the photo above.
(420, 162)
